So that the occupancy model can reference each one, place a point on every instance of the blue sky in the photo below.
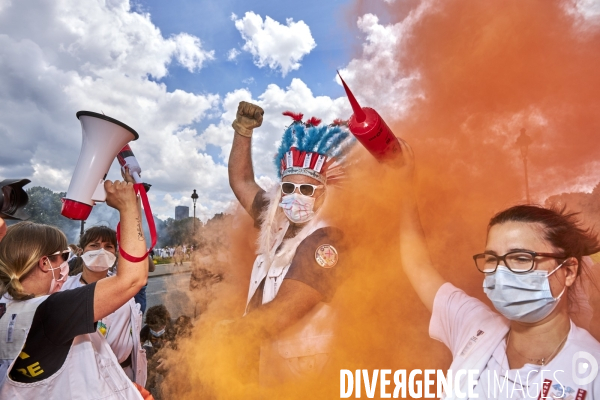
(165, 69)
(329, 23)
(334, 35)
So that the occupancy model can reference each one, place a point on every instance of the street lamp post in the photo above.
(523, 142)
(194, 198)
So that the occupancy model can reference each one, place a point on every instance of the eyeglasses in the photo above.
(519, 261)
(305, 188)
(64, 254)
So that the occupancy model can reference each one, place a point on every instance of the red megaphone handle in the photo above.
(139, 190)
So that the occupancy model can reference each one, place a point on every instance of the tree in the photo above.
(44, 208)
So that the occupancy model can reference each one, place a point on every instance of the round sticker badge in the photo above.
(326, 256)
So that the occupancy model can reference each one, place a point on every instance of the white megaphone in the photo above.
(103, 137)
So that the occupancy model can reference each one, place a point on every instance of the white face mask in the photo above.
(58, 278)
(298, 207)
(98, 260)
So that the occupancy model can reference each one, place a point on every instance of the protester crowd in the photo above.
(178, 253)
(71, 315)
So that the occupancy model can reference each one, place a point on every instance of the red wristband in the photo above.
(139, 190)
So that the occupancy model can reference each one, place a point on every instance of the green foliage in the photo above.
(44, 207)
(179, 231)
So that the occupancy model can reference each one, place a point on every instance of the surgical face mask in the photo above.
(98, 260)
(521, 297)
(298, 207)
(59, 277)
(159, 333)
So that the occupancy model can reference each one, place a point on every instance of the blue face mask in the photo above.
(521, 297)
(159, 333)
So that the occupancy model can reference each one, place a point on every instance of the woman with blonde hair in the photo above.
(47, 345)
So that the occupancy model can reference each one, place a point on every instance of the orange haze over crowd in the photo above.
(486, 70)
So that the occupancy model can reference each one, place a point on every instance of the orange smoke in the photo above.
(487, 69)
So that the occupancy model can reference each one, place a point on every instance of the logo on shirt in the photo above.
(326, 256)
(585, 368)
(469, 346)
(102, 328)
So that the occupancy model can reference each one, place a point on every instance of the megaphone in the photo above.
(103, 137)
(13, 198)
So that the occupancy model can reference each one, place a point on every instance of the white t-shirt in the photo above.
(116, 327)
(458, 320)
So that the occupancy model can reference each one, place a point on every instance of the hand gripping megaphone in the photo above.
(103, 137)
(127, 159)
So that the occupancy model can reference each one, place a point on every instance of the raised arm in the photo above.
(241, 173)
(111, 293)
(414, 254)
(2, 228)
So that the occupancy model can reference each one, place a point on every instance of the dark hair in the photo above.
(158, 315)
(102, 233)
(562, 229)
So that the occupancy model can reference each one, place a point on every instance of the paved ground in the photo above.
(170, 269)
(169, 285)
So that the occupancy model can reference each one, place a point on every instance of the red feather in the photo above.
(297, 117)
(314, 121)
(339, 122)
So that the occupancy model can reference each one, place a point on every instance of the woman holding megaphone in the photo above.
(48, 348)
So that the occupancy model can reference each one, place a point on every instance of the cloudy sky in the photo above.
(175, 71)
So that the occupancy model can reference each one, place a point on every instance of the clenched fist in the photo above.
(248, 117)
(120, 195)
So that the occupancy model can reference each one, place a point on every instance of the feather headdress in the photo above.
(311, 149)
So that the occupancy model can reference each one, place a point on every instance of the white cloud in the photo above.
(274, 100)
(4, 4)
(377, 78)
(189, 52)
(280, 47)
(232, 54)
(588, 8)
(84, 54)
(88, 55)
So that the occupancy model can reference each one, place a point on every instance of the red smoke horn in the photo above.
(359, 114)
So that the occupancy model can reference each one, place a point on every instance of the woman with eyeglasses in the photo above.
(528, 347)
(48, 348)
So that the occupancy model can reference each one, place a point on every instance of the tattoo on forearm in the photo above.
(139, 229)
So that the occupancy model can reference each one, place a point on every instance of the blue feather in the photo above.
(325, 144)
(333, 141)
(313, 136)
(345, 146)
(286, 142)
(300, 135)
(337, 140)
